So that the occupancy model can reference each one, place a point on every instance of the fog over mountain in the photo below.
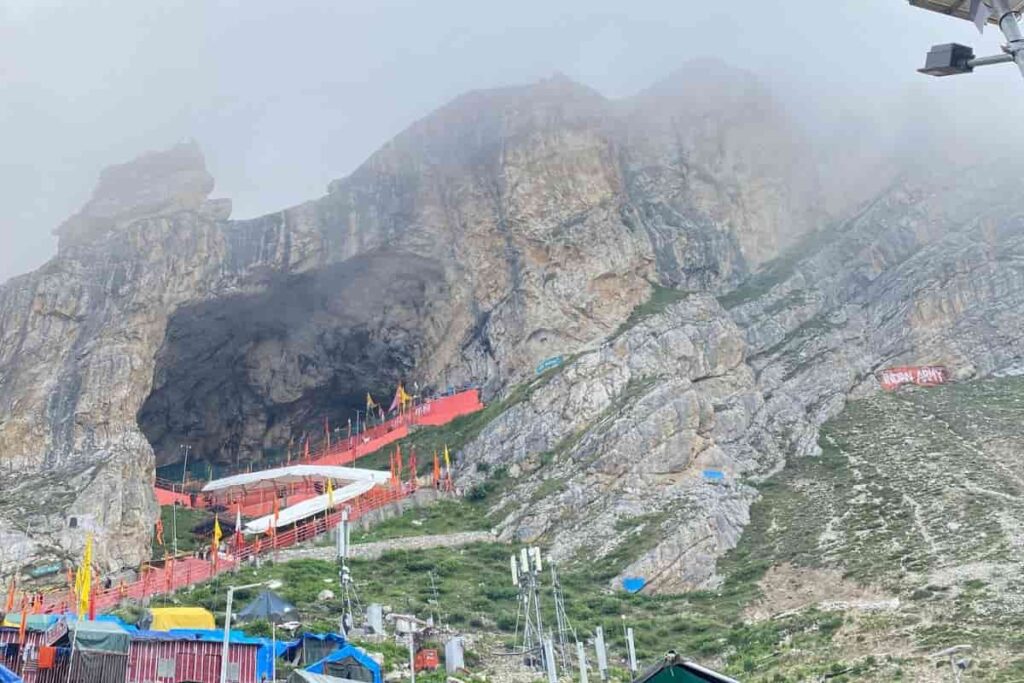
(284, 99)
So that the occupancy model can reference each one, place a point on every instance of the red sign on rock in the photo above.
(922, 375)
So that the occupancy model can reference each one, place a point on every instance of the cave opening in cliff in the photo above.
(238, 378)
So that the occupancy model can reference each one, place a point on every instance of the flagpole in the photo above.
(71, 657)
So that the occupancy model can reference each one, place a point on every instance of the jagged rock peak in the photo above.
(152, 184)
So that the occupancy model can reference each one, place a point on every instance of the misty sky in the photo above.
(286, 96)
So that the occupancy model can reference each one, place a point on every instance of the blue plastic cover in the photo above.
(353, 652)
(633, 584)
(8, 676)
(714, 475)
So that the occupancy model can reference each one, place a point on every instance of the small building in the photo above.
(675, 669)
(349, 663)
(193, 655)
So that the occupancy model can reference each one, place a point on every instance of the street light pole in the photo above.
(174, 506)
(1011, 29)
(227, 629)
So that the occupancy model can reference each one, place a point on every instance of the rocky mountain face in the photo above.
(610, 455)
(506, 227)
(670, 246)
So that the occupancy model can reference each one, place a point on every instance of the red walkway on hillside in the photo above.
(434, 412)
(174, 574)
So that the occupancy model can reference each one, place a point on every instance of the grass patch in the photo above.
(660, 299)
(443, 517)
(186, 519)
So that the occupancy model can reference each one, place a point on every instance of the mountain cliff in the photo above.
(671, 246)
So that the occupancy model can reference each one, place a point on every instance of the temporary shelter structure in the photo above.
(98, 654)
(301, 676)
(349, 663)
(251, 481)
(307, 508)
(675, 669)
(312, 647)
(193, 655)
(269, 606)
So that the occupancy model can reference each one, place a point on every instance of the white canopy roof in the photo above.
(307, 508)
(293, 473)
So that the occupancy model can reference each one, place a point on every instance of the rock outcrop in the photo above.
(606, 455)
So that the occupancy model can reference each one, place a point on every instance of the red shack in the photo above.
(193, 655)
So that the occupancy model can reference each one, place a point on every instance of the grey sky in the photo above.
(286, 96)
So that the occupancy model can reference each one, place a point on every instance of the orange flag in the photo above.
(11, 588)
(160, 532)
(437, 470)
(24, 622)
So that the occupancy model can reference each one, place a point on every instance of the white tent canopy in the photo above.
(308, 508)
(295, 473)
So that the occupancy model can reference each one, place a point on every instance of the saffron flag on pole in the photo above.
(23, 626)
(277, 513)
(403, 396)
(370, 403)
(11, 588)
(83, 580)
(330, 494)
(447, 462)
(307, 449)
(412, 467)
(396, 402)
(437, 470)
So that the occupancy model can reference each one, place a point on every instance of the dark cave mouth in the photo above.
(239, 378)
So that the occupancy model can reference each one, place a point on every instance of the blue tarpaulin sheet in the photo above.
(8, 676)
(633, 584)
(714, 475)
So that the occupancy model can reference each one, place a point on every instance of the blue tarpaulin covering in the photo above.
(8, 676)
(344, 653)
(633, 584)
(310, 647)
(714, 475)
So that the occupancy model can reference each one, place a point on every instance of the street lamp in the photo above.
(952, 58)
(227, 628)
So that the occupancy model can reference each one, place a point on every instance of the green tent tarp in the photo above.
(100, 636)
(677, 670)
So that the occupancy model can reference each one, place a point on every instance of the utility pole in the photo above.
(174, 508)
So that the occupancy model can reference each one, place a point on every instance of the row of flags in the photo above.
(441, 477)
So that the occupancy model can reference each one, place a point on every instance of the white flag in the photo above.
(980, 12)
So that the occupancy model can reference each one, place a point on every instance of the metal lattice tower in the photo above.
(565, 635)
(526, 575)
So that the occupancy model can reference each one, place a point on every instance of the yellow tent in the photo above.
(166, 618)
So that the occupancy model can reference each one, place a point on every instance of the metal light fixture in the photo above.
(952, 59)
